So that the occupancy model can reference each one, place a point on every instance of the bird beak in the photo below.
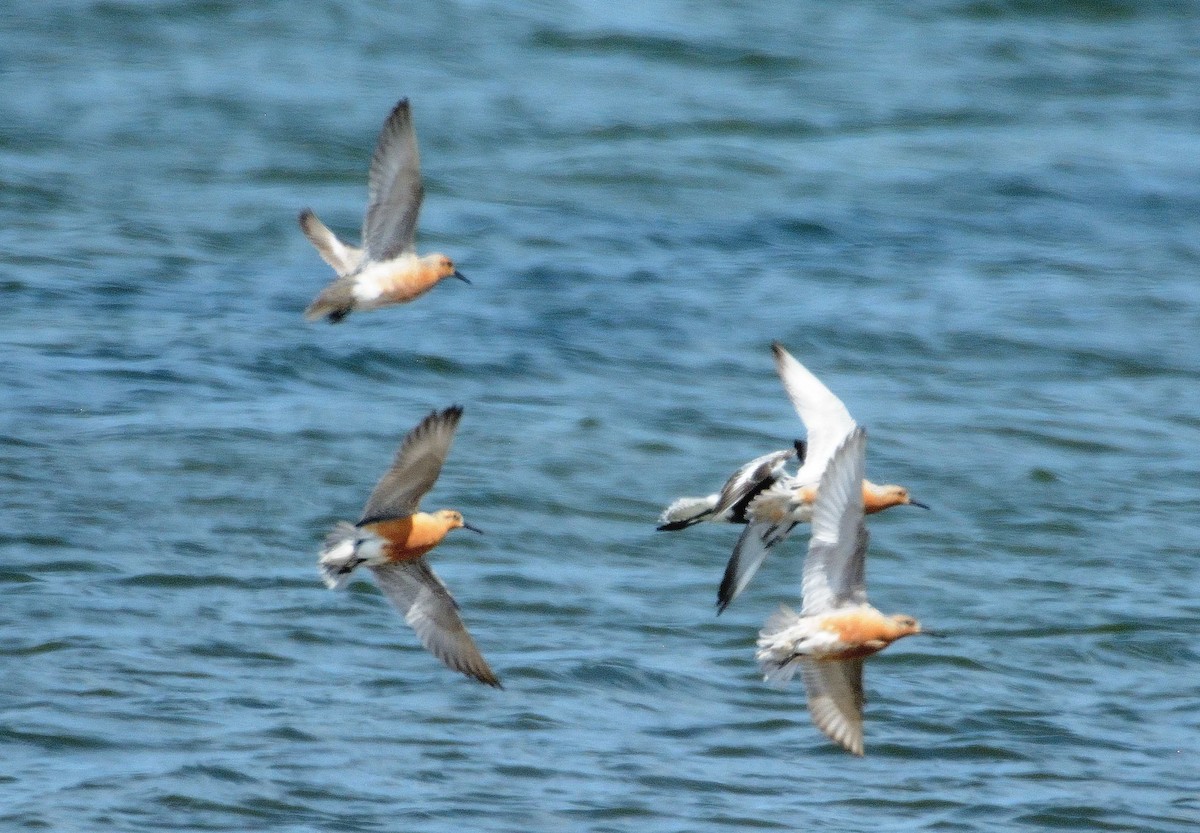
(472, 528)
(912, 502)
(460, 276)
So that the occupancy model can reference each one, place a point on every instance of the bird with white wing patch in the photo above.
(836, 627)
(773, 510)
(387, 269)
(392, 538)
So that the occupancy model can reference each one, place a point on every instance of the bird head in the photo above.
(905, 625)
(890, 495)
(444, 267)
(454, 520)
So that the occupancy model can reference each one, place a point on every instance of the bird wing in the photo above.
(823, 414)
(742, 487)
(343, 258)
(748, 555)
(835, 700)
(750, 479)
(833, 569)
(431, 611)
(394, 188)
(415, 469)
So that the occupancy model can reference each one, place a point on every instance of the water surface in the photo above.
(976, 221)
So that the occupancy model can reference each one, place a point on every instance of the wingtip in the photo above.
(401, 109)
(316, 312)
(726, 593)
(474, 668)
(452, 414)
(728, 589)
(479, 671)
(801, 447)
(783, 359)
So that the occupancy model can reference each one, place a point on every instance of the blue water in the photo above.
(978, 222)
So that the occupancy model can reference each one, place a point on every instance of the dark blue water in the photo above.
(978, 222)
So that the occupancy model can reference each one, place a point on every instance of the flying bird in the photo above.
(729, 505)
(392, 538)
(773, 512)
(836, 628)
(387, 269)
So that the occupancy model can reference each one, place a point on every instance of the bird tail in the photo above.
(776, 655)
(685, 512)
(340, 555)
(335, 302)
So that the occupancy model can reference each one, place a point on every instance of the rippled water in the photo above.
(979, 222)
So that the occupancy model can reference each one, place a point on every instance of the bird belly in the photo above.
(806, 637)
(390, 282)
(860, 633)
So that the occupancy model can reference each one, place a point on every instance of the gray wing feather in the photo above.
(835, 700)
(833, 568)
(849, 581)
(415, 469)
(431, 611)
(394, 188)
(749, 478)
